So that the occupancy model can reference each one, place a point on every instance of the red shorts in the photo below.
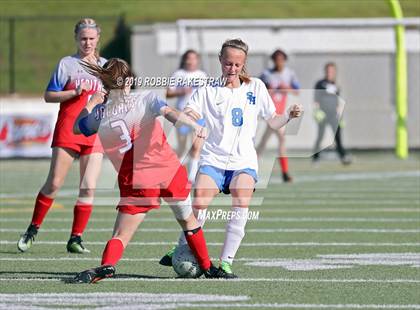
(134, 200)
(80, 149)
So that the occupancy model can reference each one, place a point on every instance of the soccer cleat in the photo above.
(225, 271)
(166, 260)
(287, 178)
(95, 274)
(219, 273)
(74, 245)
(346, 160)
(26, 240)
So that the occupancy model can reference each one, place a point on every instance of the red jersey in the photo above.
(68, 75)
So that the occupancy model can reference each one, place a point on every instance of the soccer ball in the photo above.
(184, 263)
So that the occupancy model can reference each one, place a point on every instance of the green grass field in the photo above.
(337, 238)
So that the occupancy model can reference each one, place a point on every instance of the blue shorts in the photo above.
(185, 130)
(222, 177)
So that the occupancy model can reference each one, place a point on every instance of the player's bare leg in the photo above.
(283, 160)
(194, 158)
(182, 144)
(124, 229)
(206, 189)
(241, 188)
(90, 167)
(61, 162)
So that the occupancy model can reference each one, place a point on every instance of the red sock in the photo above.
(113, 252)
(81, 217)
(197, 244)
(284, 164)
(42, 205)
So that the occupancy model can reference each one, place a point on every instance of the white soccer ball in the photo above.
(184, 262)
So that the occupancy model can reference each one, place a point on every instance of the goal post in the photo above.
(401, 145)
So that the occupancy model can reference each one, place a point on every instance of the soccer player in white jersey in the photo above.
(228, 161)
(186, 77)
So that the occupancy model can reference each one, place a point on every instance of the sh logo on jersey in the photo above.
(250, 97)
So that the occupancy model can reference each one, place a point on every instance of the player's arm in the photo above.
(279, 120)
(179, 119)
(87, 123)
(177, 92)
(64, 95)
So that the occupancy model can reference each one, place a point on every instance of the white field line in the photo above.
(369, 256)
(251, 230)
(351, 176)
(262, 210)
(272, 219)
(290, 280)
(125, 301)
(245, 244)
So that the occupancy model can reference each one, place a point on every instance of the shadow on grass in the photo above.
(68, 277)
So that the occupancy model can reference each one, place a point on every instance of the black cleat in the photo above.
(95, 274)
(218, 273)
(26, 240)
(166, 260)
(287, 178)
(74, 245)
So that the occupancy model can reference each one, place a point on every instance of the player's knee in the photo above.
(53, 186)
(86, 192)
(182, 209)
(241, 201)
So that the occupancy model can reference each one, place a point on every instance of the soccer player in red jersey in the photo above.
(71, 85)
(148, 169)
(280, 81)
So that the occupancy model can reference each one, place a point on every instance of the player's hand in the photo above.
(200, 132)
(295, 110)
(82, 86)
(97, 97)
(192, 114)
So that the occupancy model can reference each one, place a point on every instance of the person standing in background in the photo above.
(328, 111)
(280, 81)
(188, 72)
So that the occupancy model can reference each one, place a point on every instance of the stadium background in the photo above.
(365, 217)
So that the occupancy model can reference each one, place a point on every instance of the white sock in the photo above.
(200, 214)
(235, 231)
(192, 169)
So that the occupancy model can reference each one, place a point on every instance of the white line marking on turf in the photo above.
(125, 301)
(112, 300)
(342, 261)
(291, 280)
(362, 259)
(251, 230)
(272, 219)
(350, 176)
(245, 244)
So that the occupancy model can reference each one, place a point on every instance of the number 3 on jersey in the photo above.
(125, 137)
(237, 117)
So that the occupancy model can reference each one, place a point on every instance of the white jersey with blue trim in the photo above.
(182, 77)
(231, 116)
